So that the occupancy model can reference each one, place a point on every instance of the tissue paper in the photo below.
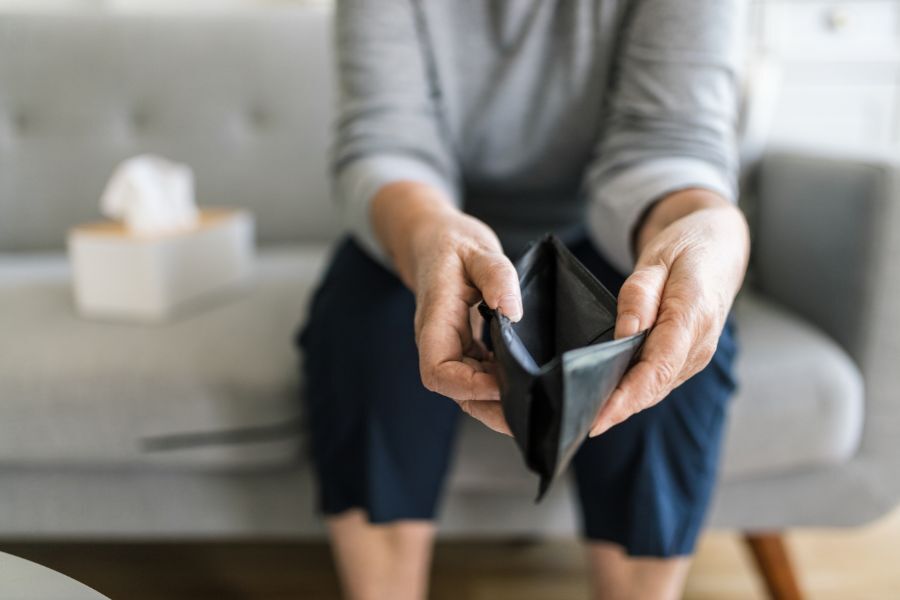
(151, 195)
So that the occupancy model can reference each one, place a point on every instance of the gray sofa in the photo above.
(193, 428)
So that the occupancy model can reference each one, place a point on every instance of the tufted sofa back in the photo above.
(245, 99)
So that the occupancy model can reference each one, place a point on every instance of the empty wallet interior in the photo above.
(565, 307)
(559, 363)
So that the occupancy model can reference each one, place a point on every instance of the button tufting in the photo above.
(21, 121)
(140, 119)
(259, 117)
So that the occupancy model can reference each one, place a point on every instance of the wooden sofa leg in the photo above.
(774, 564)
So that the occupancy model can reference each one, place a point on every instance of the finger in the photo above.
(461, 382)
(478, 351)
(648, 381)
(476, 348)
(496, 278)
(639, 300)
(444, 338)
(479, 364)
(476, 322)
(701, 354)
(489, 413)
(442, 368)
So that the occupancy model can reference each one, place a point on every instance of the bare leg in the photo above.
(615, 576)
(377, 562)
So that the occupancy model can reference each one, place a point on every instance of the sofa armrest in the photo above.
(824, 232)
(826, 235)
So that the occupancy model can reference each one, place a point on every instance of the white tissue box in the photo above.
(120, 275)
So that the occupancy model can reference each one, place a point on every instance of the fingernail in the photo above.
(511, 306)
(627, 325)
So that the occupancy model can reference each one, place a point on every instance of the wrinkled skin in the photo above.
(692, 249)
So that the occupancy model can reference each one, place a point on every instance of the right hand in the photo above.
(451, 261)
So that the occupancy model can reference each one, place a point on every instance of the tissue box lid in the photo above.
(206, 219)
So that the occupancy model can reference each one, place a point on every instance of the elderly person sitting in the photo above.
(466, 129)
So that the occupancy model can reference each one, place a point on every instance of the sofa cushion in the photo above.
(217, 388)
(214, 388)
(799, 405)
(801, 397)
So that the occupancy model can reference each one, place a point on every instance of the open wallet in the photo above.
(559, 364)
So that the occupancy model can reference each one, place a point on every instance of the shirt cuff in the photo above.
(359, 181)
(617, 203)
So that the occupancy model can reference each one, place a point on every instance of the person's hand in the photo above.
(693, 250)
(451, 261)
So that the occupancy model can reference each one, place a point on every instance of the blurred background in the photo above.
(151, 437)
(149, 5)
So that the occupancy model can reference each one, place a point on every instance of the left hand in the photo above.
(693, 248)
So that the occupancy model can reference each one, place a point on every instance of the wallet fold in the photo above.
(559, 364)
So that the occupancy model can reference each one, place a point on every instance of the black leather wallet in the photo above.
(559, 364)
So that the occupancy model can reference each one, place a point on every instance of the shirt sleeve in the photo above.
(670, 121)
(388, 128)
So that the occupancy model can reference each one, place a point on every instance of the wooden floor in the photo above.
(856, 564)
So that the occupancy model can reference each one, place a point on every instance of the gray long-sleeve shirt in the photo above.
(537, 115)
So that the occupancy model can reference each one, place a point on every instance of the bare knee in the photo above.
(616, 576)
(381, 561)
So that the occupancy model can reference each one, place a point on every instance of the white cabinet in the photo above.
(840, 72)
(844, 27)
(846, 106)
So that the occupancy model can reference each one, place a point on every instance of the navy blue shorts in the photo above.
(381, 442)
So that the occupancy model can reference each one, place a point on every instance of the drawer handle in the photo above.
(837, 19)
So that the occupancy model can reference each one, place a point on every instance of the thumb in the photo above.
(496, 278)
(639, 299)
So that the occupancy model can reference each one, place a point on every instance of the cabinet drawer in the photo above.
(837, 116)
(794, 27)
